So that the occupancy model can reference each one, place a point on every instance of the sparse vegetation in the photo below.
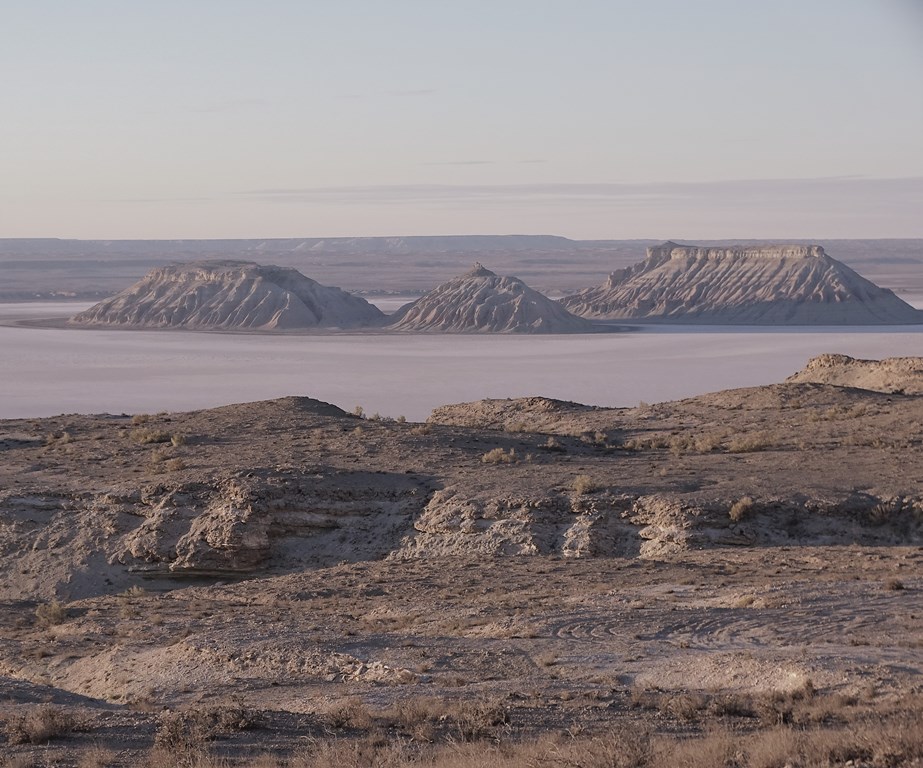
(584, 484)
(148, 435)
(751, 443)
(39, 725)
(740, 509)
(552, 445)
(58, 437)
(500, 456)
(50, 613)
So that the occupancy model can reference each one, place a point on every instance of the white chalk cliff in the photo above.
(784, 284)
(230, 295)
(482, 302)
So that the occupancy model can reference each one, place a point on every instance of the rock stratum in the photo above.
(902, 375)
(483, 302)
(230, 295)
(747, 285)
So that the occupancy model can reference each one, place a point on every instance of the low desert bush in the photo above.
(58, 438)
(147, 435)
(479, 719)
(751, 443)
(421, 429)
(499, 456)
(50, 613)
(98, 757)
(350, 713)
(740, 508)
(551, 444)
(39, 725)
(186, 733)
(583, 484)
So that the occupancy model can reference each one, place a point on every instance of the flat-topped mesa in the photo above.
(671, 250)
(480, 301)
(743, 285)
(230, 295)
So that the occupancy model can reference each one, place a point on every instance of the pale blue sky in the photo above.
(585, 118)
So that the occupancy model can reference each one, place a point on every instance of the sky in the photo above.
(584, 118)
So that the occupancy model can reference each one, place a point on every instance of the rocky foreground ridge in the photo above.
(92, 504)
(230, 295)
(482, 302)
(900, 375)
(747, 285)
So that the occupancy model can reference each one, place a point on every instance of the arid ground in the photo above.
(731, 580)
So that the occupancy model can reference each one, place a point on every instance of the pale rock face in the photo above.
(893, 374)
(482, 302)
(230, 295)
(786, 284)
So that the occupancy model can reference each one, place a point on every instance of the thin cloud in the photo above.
(233, 105)
(695, 194)
(462, 162)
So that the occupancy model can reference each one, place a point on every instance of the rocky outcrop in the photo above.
(893, 374)
(230, 295)
(787, 284)
(482, 302)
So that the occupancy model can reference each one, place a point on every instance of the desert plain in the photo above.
(731, 579)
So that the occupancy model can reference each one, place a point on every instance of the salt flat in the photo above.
(45, 371)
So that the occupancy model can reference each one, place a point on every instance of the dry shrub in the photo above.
(186, 733)
(50, 613)
(583, 484)
(148, 435)
(499, 456)
(552, 445)
(174, 465)
(479, 719)
(98, 757)
(740, 508)
(719, 749)
(421, 429)
(751, 443)
(350, 713)
(39, 725)
(58, 438)
(685, 706)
